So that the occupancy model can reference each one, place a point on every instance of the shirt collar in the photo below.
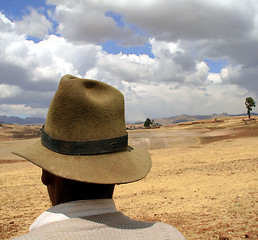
(75, 209)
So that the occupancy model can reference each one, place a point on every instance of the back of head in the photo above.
(63, 190)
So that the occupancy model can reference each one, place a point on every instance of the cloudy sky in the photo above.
(168, 57)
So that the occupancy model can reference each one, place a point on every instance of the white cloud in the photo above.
(200, 76)
(200, 19)
(164, 101)
(34, 24)
(21, 110)
(181, 35)
(215, 77)
(65, 57)
(6, 24)
(121, 67)
(86, 21)
(8, 91)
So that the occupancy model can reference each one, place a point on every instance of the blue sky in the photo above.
(16, 9)
(216, 65)
(145, 49)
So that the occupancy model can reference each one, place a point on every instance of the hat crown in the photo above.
(85, 109)
(84, 137)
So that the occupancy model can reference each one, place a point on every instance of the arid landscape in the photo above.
(203, 181)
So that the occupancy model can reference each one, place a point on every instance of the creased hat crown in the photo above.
(84, 137)
(84, 109)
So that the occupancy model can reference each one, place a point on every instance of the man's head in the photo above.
(84, 138)
(63, 190)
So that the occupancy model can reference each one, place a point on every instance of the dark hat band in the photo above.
(84, 147)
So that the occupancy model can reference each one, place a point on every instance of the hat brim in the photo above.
(120, 167)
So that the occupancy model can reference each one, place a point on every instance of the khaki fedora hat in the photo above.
(84, 137)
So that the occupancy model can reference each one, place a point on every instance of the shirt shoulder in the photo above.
(168, 230)
(112, 226)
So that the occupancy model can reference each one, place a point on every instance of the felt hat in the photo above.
(84, 137)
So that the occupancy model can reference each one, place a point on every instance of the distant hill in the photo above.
(162, 121)
(21, 121)
(189, 118)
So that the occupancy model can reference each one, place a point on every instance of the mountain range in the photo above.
(190, 118)
(21, 121)
(162, 121)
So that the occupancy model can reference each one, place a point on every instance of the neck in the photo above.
(64, 190)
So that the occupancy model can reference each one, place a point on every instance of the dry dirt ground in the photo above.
(203, 180)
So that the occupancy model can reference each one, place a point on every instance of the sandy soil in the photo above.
(203, 180)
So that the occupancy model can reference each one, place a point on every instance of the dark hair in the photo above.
(81, 190)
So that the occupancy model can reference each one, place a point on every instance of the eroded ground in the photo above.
(204, 182)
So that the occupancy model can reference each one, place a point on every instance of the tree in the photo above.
(249, 103)
(148, 122)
